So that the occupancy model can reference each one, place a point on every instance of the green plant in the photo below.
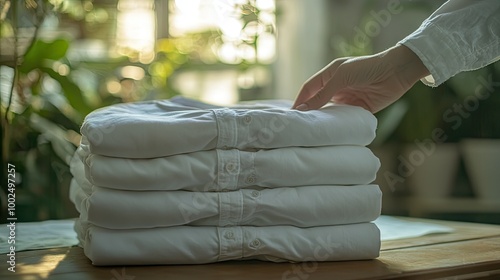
(42, 107)
(46, 91)
(46, 94)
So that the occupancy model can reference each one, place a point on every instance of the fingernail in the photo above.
(302, 107)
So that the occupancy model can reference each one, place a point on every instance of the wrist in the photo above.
(407, 63)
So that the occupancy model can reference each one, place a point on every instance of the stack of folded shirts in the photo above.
(182, 182)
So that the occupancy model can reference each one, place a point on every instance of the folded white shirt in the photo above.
(220, 170)
(299, 206)
(160, 128)
(197, 245)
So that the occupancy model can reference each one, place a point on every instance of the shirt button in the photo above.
(255, 243)
(250, 179)
(247, 119)
(229, 235)
(255, 193)
(230, 167)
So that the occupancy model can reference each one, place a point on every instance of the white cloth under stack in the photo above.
(183, 182)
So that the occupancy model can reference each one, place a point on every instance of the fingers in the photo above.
(313, 85)
(317, 82)
(307, 91)
(325, 94)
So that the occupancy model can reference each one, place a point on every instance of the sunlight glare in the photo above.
(135, 28)
(50, 262)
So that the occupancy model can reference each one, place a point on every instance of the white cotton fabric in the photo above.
(161, 128)
(223, 170)
(461, 35)
(300, 206)
(198, 245)
(183, 182)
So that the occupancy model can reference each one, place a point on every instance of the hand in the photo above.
(372, 82)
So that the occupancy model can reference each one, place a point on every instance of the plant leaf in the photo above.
(71, 91)
(41, 51)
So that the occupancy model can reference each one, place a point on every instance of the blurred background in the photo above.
(61, 59)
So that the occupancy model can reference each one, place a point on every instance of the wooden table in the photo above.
(471, 252)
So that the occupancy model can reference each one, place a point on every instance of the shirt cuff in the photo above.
(437, 52)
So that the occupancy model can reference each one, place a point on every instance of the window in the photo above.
(234, 39)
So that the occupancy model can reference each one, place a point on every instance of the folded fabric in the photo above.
(219, 170)
(153, 129)
(197, 245)
(300, 206)
(251, 104)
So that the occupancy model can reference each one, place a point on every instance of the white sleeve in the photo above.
(461, 35)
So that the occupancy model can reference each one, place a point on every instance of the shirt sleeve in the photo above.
(461, 35)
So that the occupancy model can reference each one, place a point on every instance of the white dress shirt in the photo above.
(197, 245)
(161, 128)
(461, 35)
(222, 170)
(299, 206)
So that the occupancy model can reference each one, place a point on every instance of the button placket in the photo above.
(227, 128)
(245, 121)
(230, 243)
(228, 169)
(230, 208)
(224, 209)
